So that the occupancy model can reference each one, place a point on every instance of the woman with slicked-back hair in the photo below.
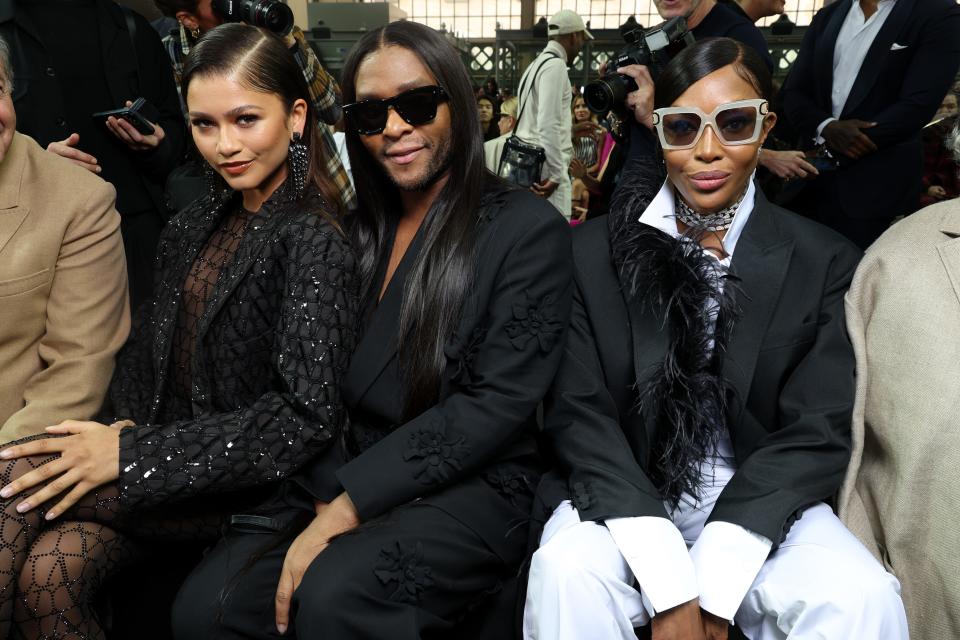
(701, 415)
(230, 381)
(423, 527)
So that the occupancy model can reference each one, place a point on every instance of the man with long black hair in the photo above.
(467, 296)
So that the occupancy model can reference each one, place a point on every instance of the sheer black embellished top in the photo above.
(201, 280)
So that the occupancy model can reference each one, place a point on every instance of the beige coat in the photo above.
(63, 290)
(901, 496)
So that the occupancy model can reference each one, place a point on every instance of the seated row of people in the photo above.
(345, 409)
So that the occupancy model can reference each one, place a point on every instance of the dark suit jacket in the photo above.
(898, 89)
(501, 359)
(788, 367)
(273, 345)
(133, 67)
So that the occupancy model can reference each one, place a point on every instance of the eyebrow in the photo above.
(405, 86)
(233, 112)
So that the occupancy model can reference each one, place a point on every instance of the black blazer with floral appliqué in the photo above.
(272, 347)
(500, 362)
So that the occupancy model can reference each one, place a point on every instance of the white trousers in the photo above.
(821, 583)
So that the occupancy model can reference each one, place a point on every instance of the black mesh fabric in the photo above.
(231, 377)
(197, 288)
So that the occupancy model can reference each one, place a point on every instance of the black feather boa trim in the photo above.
(685, 393)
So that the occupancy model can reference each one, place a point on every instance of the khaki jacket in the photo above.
(63, 290)
(901, 495)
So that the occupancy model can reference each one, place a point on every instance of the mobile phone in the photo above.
(823, 164)
(131, 114)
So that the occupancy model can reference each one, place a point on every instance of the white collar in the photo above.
(557, 48)
(661, 214)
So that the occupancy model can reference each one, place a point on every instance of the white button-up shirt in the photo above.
(544, 111)
(854, 40)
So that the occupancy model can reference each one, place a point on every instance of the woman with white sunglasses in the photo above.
(701, 415)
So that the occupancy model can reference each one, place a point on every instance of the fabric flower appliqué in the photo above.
(510, 485)
(491, 204)
(404, 566)
(463, 356)
(534, 320)
(580, 496)
(434, 455)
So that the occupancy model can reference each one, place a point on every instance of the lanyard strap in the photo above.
(550, 54)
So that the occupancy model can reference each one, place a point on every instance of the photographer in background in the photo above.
(73, 59)
(199, 16)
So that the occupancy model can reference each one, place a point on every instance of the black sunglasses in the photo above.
(416, 106)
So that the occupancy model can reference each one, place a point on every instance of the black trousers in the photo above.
(414, 573)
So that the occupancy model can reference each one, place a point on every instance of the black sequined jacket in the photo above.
(272, 346)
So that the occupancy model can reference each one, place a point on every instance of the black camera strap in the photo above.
(533, 82)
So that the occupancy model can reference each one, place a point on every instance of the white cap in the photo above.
(566, 21)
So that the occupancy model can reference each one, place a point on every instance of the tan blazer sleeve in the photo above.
(88, 320)
(850, 503)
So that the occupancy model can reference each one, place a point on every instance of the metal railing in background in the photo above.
(503, 58)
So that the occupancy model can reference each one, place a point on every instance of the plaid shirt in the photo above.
(324, 94)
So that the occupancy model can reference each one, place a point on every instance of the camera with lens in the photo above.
(652, 48)
(272, 15)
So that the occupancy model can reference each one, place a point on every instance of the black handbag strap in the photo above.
(533, 81)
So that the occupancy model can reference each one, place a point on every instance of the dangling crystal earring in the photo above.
(299, 162)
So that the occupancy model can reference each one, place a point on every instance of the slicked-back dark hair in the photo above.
(260, 61)
(703, 58)
(440, 278)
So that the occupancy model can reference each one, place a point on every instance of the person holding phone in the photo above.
(73, 60)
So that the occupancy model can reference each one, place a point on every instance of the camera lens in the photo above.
(272, 15)
(608, 93)
(599, 96)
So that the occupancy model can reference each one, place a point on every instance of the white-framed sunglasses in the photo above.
(734, 123)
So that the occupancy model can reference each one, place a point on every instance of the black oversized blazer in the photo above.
(789, 370)
(272, 345)
(500, 361)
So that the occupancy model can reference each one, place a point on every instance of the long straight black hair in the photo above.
(439, 279)
(261, 62)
